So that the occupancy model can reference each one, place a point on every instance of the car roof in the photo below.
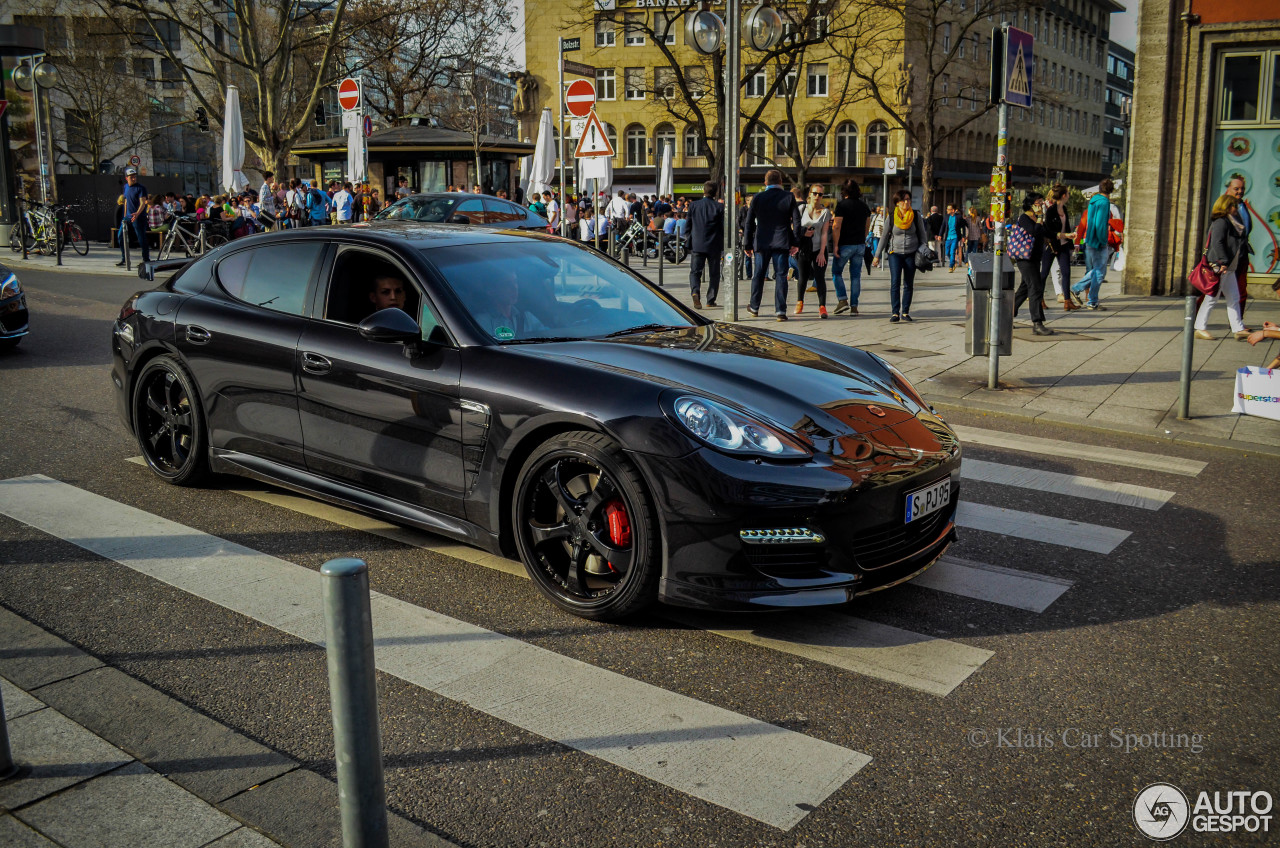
(458, 194)
(399, 232)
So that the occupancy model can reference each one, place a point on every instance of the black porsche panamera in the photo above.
(533, 398)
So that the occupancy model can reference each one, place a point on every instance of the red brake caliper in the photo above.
(619, 523)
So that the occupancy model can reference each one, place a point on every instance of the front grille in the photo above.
(786, 560)
(888, 544)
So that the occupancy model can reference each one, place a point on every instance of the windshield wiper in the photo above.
(544, 339)
(643, 328)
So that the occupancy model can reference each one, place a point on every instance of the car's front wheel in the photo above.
(168, 422)
(585, 527)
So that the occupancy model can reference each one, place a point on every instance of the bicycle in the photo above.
(44, 228)
(185, 232)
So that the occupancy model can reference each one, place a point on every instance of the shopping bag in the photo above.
(1258, 392)
(1117, 264)
(1021, 243)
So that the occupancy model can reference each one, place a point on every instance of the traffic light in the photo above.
(202, 119)
(320, 121)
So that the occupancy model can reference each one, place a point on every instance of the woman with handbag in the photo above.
(903, 236)
(813, 232)
(1223, 254)
(1056, 264)
(1032, 238)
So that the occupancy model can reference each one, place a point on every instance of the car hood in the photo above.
(817, 389)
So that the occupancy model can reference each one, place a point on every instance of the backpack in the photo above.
(1020, 243)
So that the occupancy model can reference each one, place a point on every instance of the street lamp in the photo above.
(704, 30)
(32, 77)
(764, 26)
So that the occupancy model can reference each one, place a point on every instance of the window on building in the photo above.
(144, 70)
(54, 28)
(1241, 81)
(692, 143)
(606, 82)
(612, 134)
(633, 29)
(170, 34)
(170, 76)
(847, 145)
(815, 140)
(784, 143)
(946, 38)
(788, 86)
(695, 76)
(817, 80)
(960, 49)
(757, 85)
(816, 30)
(664, 83)
(664, 28)
(633, 81)
(878, 139)
(637, 147)
(605, 34)
(1275, 89)
(946, 84)
(757, 138)
(1094, 129)
(79, 129)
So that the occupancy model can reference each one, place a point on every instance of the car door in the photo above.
(240, 341)
(373, 417)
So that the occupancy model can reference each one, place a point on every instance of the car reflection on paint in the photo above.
(535, 399)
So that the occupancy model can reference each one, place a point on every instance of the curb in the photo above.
(1188, 439)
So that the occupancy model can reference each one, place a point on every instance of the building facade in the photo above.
(1119, 107)
(1206, 109)
(811, 111)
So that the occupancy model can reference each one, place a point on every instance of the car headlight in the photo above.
(729, 430)
(10, 287)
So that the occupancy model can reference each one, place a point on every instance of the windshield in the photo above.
(432, 209)
(545, 291)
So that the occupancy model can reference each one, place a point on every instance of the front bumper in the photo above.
(855, 509)
(14, 318)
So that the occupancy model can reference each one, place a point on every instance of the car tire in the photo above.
(585, 527)
(168, 422)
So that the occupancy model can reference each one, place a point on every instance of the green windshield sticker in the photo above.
(504, 334)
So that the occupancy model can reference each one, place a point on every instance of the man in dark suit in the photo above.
(706, 234)
(771, 222)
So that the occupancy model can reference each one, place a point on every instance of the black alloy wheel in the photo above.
(76, 239)
(168, 422)
(585, 528)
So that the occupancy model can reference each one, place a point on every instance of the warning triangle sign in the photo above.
(594, 140)
(1018, 82)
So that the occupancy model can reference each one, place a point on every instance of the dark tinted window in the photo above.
(431, 209)
(502, 212)
(473, 210)
(273, 276)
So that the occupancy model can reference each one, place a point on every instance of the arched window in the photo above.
(756, 139)
(847, 145)
(637, 146)
(692, 143)
(878, 139)
(815, 140)
(662, 136)
(612, 134)
(785, 140)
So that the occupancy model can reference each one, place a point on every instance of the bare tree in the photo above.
(280, 53)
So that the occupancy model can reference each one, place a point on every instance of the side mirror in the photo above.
(459, 219)
(148, 270)
(390, 326)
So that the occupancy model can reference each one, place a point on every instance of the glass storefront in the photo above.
(1246, 143)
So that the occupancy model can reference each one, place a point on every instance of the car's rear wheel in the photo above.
(585, 528)
(168, 422)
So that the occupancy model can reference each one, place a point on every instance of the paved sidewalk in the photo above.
(109, 761)
(1115, 369)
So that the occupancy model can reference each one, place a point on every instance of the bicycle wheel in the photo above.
(21, 232)
(76, 239)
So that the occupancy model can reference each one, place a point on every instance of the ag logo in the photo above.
(1160, 811)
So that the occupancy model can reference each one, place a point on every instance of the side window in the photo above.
(474, 210)
(363, 282)
(273, 276)
(501, 212)
(427, 320)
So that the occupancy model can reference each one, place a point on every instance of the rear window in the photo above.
(272, 276)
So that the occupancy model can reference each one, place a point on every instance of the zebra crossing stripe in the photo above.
(1007, 586)
(759, 770)
(1077, 450)
(1040, 528)
(1124, 494)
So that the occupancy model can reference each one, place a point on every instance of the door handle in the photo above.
(314, 363)
(198, 335)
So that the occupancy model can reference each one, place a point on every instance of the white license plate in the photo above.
(930, 499)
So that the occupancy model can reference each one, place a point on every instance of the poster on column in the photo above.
(1253, 153)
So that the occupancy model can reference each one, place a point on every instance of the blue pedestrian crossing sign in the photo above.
(1019, 67)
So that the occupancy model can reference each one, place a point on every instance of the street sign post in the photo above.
(576, 127)
(570, 67)
(349, 94)
(580, 98)
(368, 126)
(1012, 63)
(890, 167)
(135, 160)
(567, 45)
(570, 44)
(594, 141)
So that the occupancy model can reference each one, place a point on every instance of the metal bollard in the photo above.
(661, 260)
(348, 630)
(57, 235)
(1188, 345)
(124, 245)
(8, 768)
(644, 250)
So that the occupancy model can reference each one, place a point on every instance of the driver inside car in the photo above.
(501, 317)
(386, 291)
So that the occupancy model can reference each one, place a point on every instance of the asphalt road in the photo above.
(1174, 631)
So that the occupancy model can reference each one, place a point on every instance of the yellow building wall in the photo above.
(546, 22)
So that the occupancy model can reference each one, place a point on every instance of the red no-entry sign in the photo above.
(579, 97)
(349, 94)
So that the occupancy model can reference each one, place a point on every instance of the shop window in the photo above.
(1241, 79)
